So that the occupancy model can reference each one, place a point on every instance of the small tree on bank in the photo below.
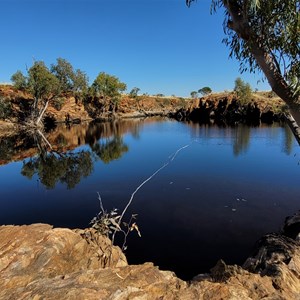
(43, 86)
(194, 94)
(19, 80)
(46, 85)
(243, 90)
(109, 88)
(134, 92)
(205, 91)
(70, 80)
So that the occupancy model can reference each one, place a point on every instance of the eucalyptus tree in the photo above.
(109, 88)
(194, 94)
(264, 36)
(243, 90)
(63, 71)
(134, 92)
(19, 80)
(70, 80)
(44, 87)
(205, 90)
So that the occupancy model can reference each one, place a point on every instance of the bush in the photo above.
(243, 90)
(134, 92)
(58, 103)
(5, 108)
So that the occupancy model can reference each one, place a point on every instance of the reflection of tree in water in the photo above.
(288, 140)
(105, 140)
(242, 140)
(110, 149)
(14, 145)
(7, 148)
(53, 168)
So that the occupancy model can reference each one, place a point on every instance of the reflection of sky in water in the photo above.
(217, 197)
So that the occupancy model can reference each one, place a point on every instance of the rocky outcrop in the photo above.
(229, 110)
(41, 262)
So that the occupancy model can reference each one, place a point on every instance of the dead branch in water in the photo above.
(111, 222)
(171, 158)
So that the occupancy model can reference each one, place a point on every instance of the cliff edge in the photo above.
(41, 262)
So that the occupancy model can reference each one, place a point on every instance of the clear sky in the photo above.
(160, 46)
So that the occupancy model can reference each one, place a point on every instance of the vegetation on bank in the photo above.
(44, 89)
(48, 92)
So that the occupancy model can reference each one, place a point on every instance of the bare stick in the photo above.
(101, 205)
(171, 158)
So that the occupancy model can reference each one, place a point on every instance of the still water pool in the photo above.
(224, 189)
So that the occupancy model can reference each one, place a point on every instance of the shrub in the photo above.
(5, 108)
(58, 103)
(134, 92)
(194, 94)
(243, 90)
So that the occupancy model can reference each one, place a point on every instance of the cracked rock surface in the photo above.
(41, 262)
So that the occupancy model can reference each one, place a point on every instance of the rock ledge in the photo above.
(41, 262)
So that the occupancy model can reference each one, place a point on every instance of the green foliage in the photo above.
(243, 90)
(43, 86)
(80, 84)
(63, 71)
(134, 92)
(70, 80)
(41, 82)
(272, 27)
(46, 85)
(19, 80)
(108, 87)
(58, 103)
(194, 94)
(205, 90)
(6, 110)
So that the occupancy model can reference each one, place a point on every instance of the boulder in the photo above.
(41, 262)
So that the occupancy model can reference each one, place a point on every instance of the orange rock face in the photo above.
(41, 262)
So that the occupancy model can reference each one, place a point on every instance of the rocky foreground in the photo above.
(41, 262)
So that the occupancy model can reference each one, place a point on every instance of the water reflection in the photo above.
(110, 149)
(242, 140)
(230, 186)
(105, 140)
(288, 140)
(241, 135)
(52, 168)
(52, 157)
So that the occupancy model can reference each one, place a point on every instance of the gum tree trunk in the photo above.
(266, 62)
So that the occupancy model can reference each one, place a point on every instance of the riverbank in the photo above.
(216, 107)
(41, 262)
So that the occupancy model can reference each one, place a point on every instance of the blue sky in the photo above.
(160, 46)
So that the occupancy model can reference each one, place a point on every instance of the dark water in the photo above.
(222, 192)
